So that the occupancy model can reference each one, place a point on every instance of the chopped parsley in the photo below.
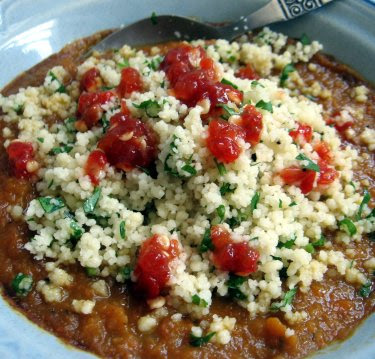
(51, 204)
(220, 166)
(154, 18)
(22, 284)
(154, 64)
(105, 123)
(233, 283)
(123, 64)
(18, 109)
(227, 82)
(310, 164)
(61, 88)
(228, 111)
(92, 272)
(221, 212)
(206, 243)
(280, 203)
(187, 167)
(197, 300)
(255, 83)
(288, 244)
(227, 188)
(77, 230)
(310, 248)
(305, 40)
(199, 341)
(69, 124)
(90, 203)
(293, 204)
(288, 299)
(264, 106)
(285, 74)
(365, 290)
(151, 107)
(365, 200)
(40, 139)
(254, 202)
(122, 230)
(61, 149)
(320, 242)
(125, 272)
(348, 226)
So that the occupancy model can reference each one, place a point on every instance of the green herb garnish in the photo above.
(187, 167)
(293, 204)
(18, 109)
(288, 244)
(264, 106)
(206, 243)
(40, 139)
(221, 212)
(220, 166)
(280, 203)
(256, 83)
(92, 272)
(285, 73)
(310, 164)
(348, 226)
(227, 188)
(70, 124)
(50, 204)
(228, 111)
(310, 248)
(90, 203)
(126, 272)
(122, 230)
(365, 200)
(199, 341)
(197, 300)
(254, 202)
(233, 283)
(151, 107)
(288, 299)
(77, 230)
(227, 82)
(365, 290)
(61, 88)
(62, 149)
(123, 64)
(22, 284)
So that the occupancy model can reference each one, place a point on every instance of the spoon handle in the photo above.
(274, 11)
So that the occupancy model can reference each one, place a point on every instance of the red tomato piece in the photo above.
(130, 81)
(129, 143)
(252, 123)
(223, 140)
(193, 77)
(91, 80)
(21, 159)
(153, 265)
(247, 72)
(95, 165)
(296, 176)
(88, 99)
(89, 118)
(231, 256)
(340, 127)
(302, 134)
(324, 151)
(327, 174)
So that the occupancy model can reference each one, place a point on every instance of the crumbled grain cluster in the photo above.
(286, 226)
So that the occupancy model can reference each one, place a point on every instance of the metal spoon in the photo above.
(159, 29)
